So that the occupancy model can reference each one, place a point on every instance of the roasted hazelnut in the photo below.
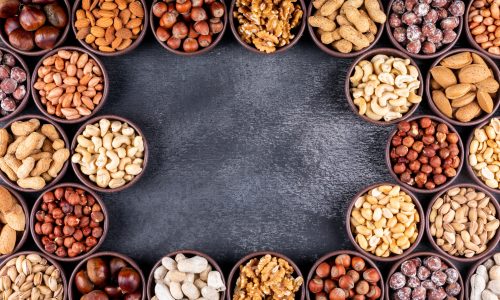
(323, 270)
(159, 9)
(346, 282)
(362, 287)
(358, 264)
(344, 260)
(217, 10)
(329, 285)
(183, 6)
(190, 45)
(337, 271)
(371, 275)
(316, 285)
(337, 294)
(198, 14)
(168, 20)
(179, 30)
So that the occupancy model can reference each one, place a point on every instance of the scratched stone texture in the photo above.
(247, 152)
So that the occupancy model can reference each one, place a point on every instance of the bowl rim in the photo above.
(295, 40)
(258, 254)
(135, 43)
(496, 73)
(218, 38)
(471, 39)
(84, 178)
(74, 295)
(388, 162)
(472, 271)
(22, 104)
(441, 51)
(20, 199)
(41, 107)
(211, 261)
(43, 120)
(36, 206)
(330, 51)
(421, 223)
(421, 254)
(40, 52)
(368, 55)
(351, 253)
(472, 174)
(492, 243)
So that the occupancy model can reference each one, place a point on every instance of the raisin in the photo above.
(18, 74)
(397, 281)
(8, 105)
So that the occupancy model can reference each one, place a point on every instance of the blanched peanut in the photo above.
(484, 152)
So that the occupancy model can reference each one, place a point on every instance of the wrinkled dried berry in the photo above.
(452, 275)
(8, 104)
(397, 281)
(18, 74)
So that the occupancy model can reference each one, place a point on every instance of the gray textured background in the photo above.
(247, 152)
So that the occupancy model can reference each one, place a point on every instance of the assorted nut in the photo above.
(424, 26)
(267, 25)
(463, 86)
(187, 278)
(12, 221)
(192, 24)
(424, 153)
(385, 87)
(32, 154)
(13, 83)
(32, 277)
(345, 277)
(108, 277)
(485, 282)
(109, 25)
(484, 152)
(423, 278)
(484, 24)
(110, 153)
(69, 222)
(267, 277)
(70, 84)
(347, 25)
(384, 221)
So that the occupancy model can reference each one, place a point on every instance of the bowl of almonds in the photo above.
(14, 221)
(110, 28)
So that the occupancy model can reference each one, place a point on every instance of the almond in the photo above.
(110, 34)
(134, 23)
(457, 90)
(122, 4)
(15, 218)
(117, 23)
(443, 76)
(97, 31)
(104, 22)
(442, 103)
(106, 49)
(7, 202)
(468, 112)
(457, 61)
(464, 100)
(125, 16)
(124, 33)
(82, 23)
(101, 42)
(86, 4)
(473, 73)
(117, 42)
(477, 59)
(136, 9)
(485, 102)
(108, 5)
(489, 85)
(82, 33)
(7, 240)
(106, 13)
(125, 44)
(80, 14)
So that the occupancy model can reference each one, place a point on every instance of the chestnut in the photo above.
(11, 24)
(22, 39)
(8, 8)
(98, 271)
(113, 291)
(46, 37)
(95, 295)
(56, 15)
(31, 18)
(115, 265)
(133, 296)
(83, 283)
(128, 280)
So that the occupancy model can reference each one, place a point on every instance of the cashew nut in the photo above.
(383, 100)
(119, 140)
(357, 76)
(402, 93)
(367, 68)
(104, 125)
(361, 103)
(400, 67)
(370, 114)
(114, 160)
(121, 152)
(378, 110)
(402, 80)
(398, 102)
(381, 89)
(90, 131)
(386, 78)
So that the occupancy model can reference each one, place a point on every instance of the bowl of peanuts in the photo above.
(483, 26)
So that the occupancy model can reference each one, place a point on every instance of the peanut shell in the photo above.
(7, 240)
(7, 202)
(15, 218)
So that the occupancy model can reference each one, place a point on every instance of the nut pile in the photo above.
(385, 87)
(424, 26)
(31, 277)
(483, 153)
(109, 25)
(425, 278)
(485, 282)
(108, 278)
(189, 278)
(70, 84)
(384, 221)
(32, 154)
(345, 277)
(267, 24)
(110, 153)
(189, 23)
(69, 222)
(424, 153)
(13, 87)
(12, 221)
(484, 24)
(463, 86)
(267, 277)
(347, 25)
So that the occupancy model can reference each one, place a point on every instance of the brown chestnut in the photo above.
(98, 271)
(56, 15)
(83, 283)
(133, 296)
(95, 295)
(31, 18)
(8, 8)
(113, 291)
(115, 265)
(128, 280)
(22, 39)
(46, 37)
(11, 24)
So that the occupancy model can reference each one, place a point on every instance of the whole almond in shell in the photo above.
(15, 218)
(477, 59)
(489, 85)
(473, 73)
(485, 102)
(468, 112)
(443, 76)
(7, 202)
(442, 103)
(464, 100)
(457, 90)
(7, 240)
(457, 61)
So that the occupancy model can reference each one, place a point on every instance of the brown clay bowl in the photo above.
(235, 273)
(472, 271)
(421, 227)
(395, 267)
(428, 92)
(78, 4)
(423, 190)
(74, 294)
(329, 50)
(24, 234)
(441, 51)
(298, 31)
(43, 108)
(49, 260)
(472, 174)
(22, 104)
(190, 253)
(64, 137)
(85, 179)
(470, 37)
(367, 56)
(492, 243)
(218, 37)
(331, 256)
(37, 51)
(37, 238)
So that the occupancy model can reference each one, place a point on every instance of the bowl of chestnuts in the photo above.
(34, 27)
